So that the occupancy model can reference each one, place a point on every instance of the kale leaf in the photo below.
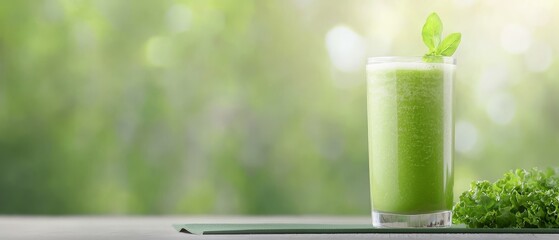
(521, 199)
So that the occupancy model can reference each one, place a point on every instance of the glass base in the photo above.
(390, 220)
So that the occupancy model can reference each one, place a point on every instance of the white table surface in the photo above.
(159, 227)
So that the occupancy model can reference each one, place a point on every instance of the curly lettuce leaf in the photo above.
(521, 199)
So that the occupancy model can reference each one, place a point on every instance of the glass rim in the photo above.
(409, 59)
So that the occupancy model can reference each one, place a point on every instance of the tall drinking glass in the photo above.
(411, 142)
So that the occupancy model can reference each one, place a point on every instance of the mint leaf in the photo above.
(449, 45)
(432, 30)
(431, 34)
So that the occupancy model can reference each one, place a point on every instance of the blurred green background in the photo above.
(249, 107)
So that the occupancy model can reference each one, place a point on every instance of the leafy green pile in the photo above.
(521, 199)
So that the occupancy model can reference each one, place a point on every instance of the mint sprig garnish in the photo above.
(432, 35)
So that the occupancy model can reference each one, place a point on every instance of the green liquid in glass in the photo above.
(410, 137)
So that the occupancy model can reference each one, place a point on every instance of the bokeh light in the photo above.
(249, 107)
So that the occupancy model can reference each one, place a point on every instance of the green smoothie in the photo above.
(410, 136)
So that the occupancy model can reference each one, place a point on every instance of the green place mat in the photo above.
(269, 228)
